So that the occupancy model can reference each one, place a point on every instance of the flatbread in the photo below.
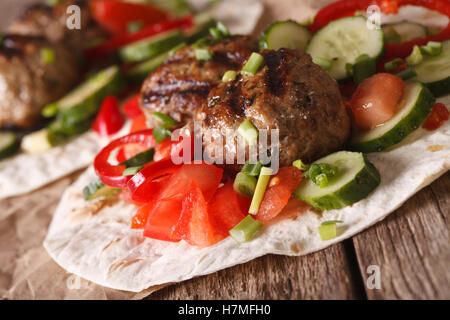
(94, 241)
(24, 172)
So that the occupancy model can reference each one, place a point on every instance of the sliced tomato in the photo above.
(166, 213)
(115, 16)
(376, 100)
(227, 208)
(194, 225)
(439, 114)
(139, 123)
(131, 107)
(109, 120)
(141, 216)
(278, 192)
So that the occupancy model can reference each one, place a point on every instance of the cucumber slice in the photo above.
(9, 143)
(97, 189)
(434, 72)
(36, 142)
(404, 31)
(59, 132)
(84, 101)
(356, 179)
(343, 41)
(139, 72)
(417, 103)
(285, 34)
(151, 47)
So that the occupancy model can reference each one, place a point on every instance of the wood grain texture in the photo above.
(326, 274)
(412, 247)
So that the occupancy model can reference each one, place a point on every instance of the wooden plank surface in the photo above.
(327, 274)
(411, 247)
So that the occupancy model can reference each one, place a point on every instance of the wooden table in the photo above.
(411, 248)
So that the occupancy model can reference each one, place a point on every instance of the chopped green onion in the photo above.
(415, 57)
(244, 184)
(432, 48)
(230, 75)
(249, 132)
(322, 180)
(176, 48)
(407, 74)
(161, 133)
(245, 230)
(131, 171)
(320, 173)
(391, 35)
(219, 32)
(140, 159)
(300, 165)
(261, 186)
(203, 54)
(215, 33)
(254, 62)
(223, 29)
(392, 65)
(134, 26)
(164, 120)
(50, 110)
(252, 169)
(328, 230)
(324, 63)
(47, 56)
(363, 68)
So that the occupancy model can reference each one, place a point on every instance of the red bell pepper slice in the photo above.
(111, 175)
(117, 42)
(131, 149)
(109, 120)
(439, 114)
(227, 208)
(194, 225)
(279, 192)
(115, 16)
(131, 107)
(345, 8)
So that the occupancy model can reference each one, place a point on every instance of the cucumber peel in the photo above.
(9, 144)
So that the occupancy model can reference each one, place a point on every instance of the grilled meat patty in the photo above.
(27, 84)
(289, 93)
(51, 22)
(182, 84)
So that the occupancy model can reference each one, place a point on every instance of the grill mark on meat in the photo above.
(236, 100)
(275, 76)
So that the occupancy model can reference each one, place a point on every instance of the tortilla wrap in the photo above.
(27, 172)
(94, 240)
